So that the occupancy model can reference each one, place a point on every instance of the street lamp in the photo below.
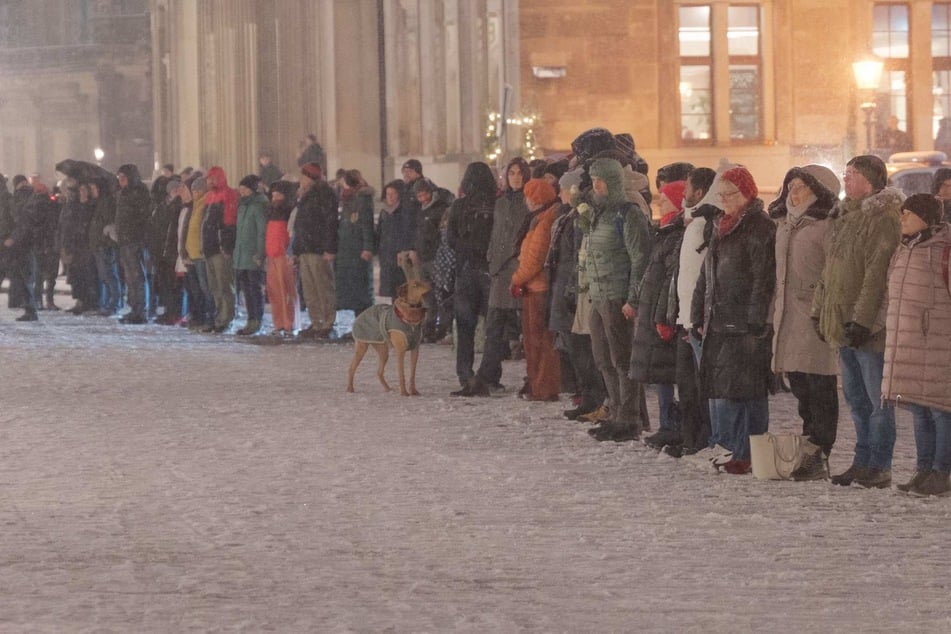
(868, 74)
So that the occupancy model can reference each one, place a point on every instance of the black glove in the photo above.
(856, 334)
(815, 325)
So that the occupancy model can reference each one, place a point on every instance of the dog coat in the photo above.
(376, 322)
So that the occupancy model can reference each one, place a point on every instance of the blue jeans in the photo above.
(132, 257)
(932, 438)
(107, 266)
(470, 300)
(737, 420)
(874, 423)
(665, 399)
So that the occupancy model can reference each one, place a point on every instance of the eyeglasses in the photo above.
(725, 195)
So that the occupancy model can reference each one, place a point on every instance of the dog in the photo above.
(398, 325)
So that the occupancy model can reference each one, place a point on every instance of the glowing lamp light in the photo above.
(99, 153)
(868, 73)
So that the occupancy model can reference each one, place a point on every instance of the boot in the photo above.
(29, 315)
(813, 465)
(850, 475)
(938, 483)
(49, 302)
(473, 387)
(252, 327)
(916, 481)
(876, 479)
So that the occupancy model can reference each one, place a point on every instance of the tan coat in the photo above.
(801, 248)
(918, 326)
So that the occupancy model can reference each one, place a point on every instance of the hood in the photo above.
(611, 172)
(223, 194)
(218, 173)
(131, 172)
(825, 199)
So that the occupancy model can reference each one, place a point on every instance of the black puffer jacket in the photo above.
(732, 302)
(428, 221)
(316, 224)
(562, 265)
(133, 208)
(470, 218)
(654, 360)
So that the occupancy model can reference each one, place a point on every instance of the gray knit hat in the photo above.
(872, 168)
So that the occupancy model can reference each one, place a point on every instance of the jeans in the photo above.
(611, 335)
(932, 438)
(133, 268)
(874, 423)
(251, 283)
(470, 300)
(737, 420)
(221, 283)
(107, 266)
(498, 322)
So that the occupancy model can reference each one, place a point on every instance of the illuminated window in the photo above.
(700, 28)
(890, 36)
(941, 75)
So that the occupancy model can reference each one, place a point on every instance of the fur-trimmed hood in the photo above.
(874, 204)
(819, 209)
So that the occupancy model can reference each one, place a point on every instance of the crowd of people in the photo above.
(719, 302)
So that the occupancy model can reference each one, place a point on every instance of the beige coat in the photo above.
(801, 248)
(918, 326)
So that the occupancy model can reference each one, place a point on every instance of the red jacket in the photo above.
(531, 257)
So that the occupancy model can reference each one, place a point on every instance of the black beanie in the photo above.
(872, 168)
(251, 182)
(18, 179)
(926, 207)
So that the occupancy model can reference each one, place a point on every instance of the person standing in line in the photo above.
(730, 312)
(394, 238)
(848, 312)
(917, 372)
(133, 207)
(315, 247)
(353, 266)
(530, 283)
(281, 277)
(801, 213)
(249, 251)
(501, 322)
(941, 188)
(218, 237)
(467, 233)
(103, 246)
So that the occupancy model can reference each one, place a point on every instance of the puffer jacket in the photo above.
(531, 256)
(510, 213)
(918, 324)
(865, 234)
(654, 360)
(219, 220)
(732, 302)
(801, 247)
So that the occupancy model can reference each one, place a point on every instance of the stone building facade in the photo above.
(75, 77)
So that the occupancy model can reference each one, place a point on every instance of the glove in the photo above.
(815, 325)
(696, 332)
(856, 334)
(666, 332)
(517, 290)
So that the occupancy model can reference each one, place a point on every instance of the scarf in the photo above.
(390, 208)
(798, 211)
(921, 236)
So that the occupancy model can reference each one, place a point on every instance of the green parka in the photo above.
(252, 225)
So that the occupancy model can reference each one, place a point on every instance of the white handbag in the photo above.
(776, 456)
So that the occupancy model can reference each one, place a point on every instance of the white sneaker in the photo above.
(721, 456)
(700, 458)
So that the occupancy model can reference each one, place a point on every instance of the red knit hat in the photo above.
(674, 192)
(741, 177)
(539, 192)
(312, 171)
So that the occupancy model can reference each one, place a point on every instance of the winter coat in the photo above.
(44, 210)
(103, 216)
(251, 227)
(277, 239)
(732, 301)
(562, 265)
(618, 248)
(315, 226)
(74, 226)
(219, 220)
(502, 255)
(801, 247)
(23, 221)
(534, 249)
(6, 213)
(133, 209)
(163, 230)
(918, 324)
(469, 231)
(654, 360)
(394, 231)
(697, 238)
(428, 221)
(354, 275)
(865, 234)
(192, 239)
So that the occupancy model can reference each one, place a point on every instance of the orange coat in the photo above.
(531, 257)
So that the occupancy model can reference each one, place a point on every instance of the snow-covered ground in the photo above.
(155, 480)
